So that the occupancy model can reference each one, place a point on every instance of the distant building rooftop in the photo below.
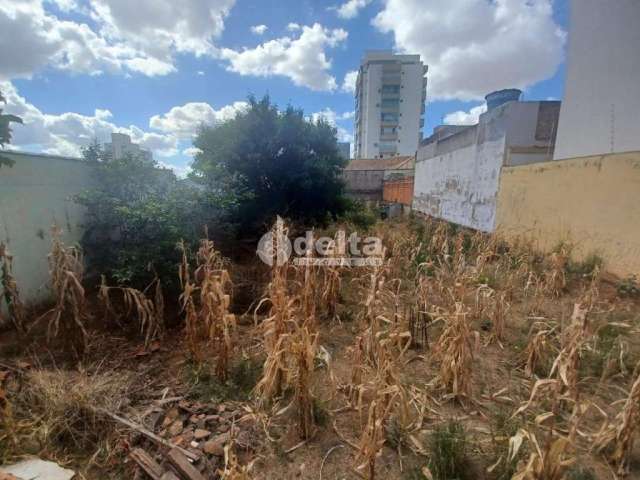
(395, 163)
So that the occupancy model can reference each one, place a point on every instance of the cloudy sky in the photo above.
(156, 69)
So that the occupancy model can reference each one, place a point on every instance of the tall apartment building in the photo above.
(122, 145)
(390, 99)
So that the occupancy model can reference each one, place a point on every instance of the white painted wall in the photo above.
(34, 194)
(601, 106)
(461, 186)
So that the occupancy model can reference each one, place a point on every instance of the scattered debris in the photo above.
(35, 469)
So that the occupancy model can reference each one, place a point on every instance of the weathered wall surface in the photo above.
(34, 194)
(591, 201)
(602, 92)
(461, 186)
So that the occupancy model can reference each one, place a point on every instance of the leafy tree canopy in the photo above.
(5, 131)
(276, 162)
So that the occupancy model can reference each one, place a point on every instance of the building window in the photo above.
(390, 102)
(390, 88)
(389, 117)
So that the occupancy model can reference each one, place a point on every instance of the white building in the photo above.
(122, 145)
(601, 104)
(344, 148)
(390, 99)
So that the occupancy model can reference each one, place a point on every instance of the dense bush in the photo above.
(136, 214)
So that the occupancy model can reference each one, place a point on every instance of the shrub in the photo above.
(137, 213)
(448, 446)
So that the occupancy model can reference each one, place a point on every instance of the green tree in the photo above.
(5, 131)
(278, 162)
(137, 213)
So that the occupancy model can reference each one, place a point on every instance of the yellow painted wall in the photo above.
(593, 202)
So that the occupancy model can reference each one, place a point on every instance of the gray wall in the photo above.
(34, 194)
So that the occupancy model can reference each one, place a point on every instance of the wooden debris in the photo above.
(147, 463)
(183, 466)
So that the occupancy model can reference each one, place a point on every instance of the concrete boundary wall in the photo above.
(34, 194)
(593, 202)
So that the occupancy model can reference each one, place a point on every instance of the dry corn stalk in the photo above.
(69, 314)
(567, 363)
(372, 439)
(330, 293)
(617, 438)
(539, 346)
(499, 316)
(149, 312)
(555, 278)
(548, 463)
(10, 292)
(455, 349)
(214, 301)
(303, 349)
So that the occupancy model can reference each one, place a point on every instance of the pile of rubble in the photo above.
(192, 437)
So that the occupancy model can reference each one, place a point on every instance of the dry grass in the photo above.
(63, 408)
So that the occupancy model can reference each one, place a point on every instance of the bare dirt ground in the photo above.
(512, 379)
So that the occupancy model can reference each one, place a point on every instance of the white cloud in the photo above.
(293, 27)
(351, 8)
(191, 151)
(124, 36)
(333, 118)
(183, 121)
(200, 72)
(259, 29)
(302, 59)
(349, 83)
(66, 133)
(465, 118)
(473, 47)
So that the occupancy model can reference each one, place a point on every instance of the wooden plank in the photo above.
(150, 435)
(184, 467)
(147, 463)
(169, 475)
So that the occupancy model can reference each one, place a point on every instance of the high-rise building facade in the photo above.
(390, 100)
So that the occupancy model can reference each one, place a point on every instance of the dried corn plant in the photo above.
(214, 284)
(10, 293)
(567, 363)
(205, 301)
(616, 438)
(372, 439)
(331, 280)
(499, 317)
(555, 278)
(308, 280)
(540, 346)
(303, 348)
(549, 462)
(149, 312)
(68, 316)
(455, 350)
(188, 305)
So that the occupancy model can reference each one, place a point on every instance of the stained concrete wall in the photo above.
(590, 201)
(34, 194)
(460, 186)
(602, 87)
(457, 175)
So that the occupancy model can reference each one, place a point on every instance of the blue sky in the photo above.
(157, 68)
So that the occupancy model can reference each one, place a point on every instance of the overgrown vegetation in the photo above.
(5, 132)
